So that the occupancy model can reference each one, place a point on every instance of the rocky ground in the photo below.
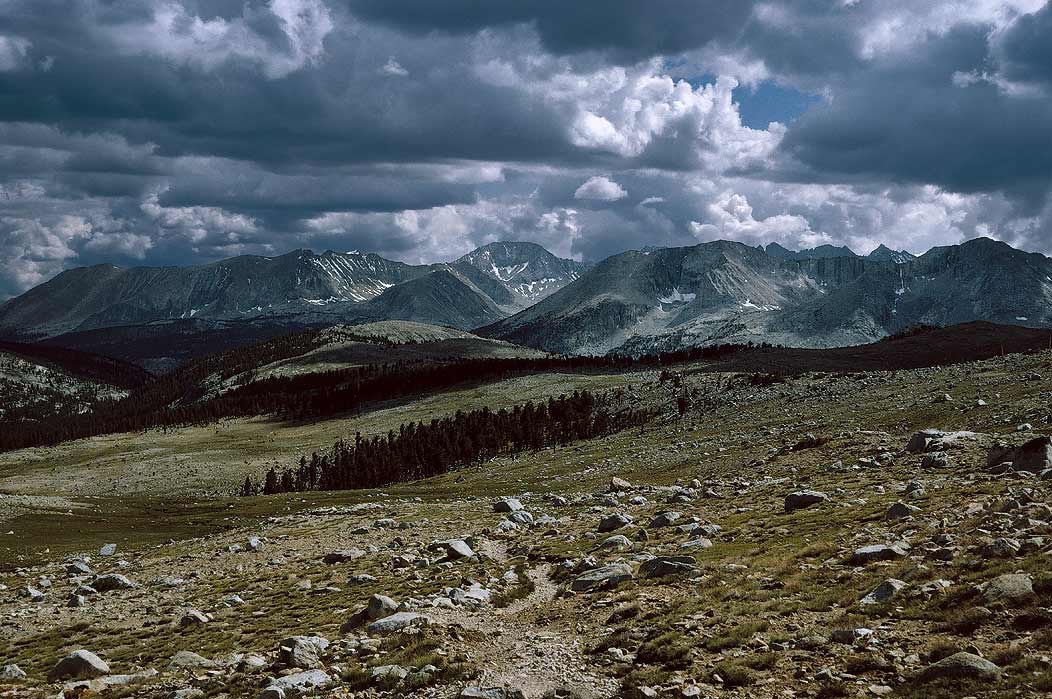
(797, 539)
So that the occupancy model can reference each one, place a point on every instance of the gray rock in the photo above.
(521, 517)
(342, 556)
(665, 519)
(604, 576)
(1002, 547)
(108, 550)
(302, 651)
(457, 549)
(901, 510)
(617, 542)
(803, 498)
(619, 484)
(398, 622)
(296, 684)
(12, 672)
(77, 568)
(507, 505)
(190, 660)
(1033, 456)
(614, 522)
(1010, 588)
(193, 617)
(884, 591)
(78, 665)
(665, 566)
(112, 581)
(388, 673)
(961, 666)
(254, 543)
(696, 544)
(492, 693)
(876, 552)
(380, 606)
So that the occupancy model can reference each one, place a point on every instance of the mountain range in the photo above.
(656, 299)
(722, 292)
(300, 287)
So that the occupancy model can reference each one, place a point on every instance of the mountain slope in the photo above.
(527, 271)
(722, 292)
(293, 288)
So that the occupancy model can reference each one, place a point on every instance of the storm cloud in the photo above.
(179, 131)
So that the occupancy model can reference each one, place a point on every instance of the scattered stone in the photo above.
(664, 566)
(901, 510)
(492, 693)
(112, 581)
(507, 505)
(398, 622)
(604, 576)
(108, 550)
(342, 556)
(1010, 588)
(193, 617)
(619, 484)
(665, 519)
(78, 665)
(884, 591)
(12, 672)
(302, 651)
(961, 666)
(78, 568)
(803, 498)
(617, 542)
(296, 684)
(192, 661)
(876, 552)
(456, 549)
(614, 522)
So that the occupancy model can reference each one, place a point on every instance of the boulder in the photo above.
(303, 652)
(12, 673)
(960, 666)
(380, 606)
(876, 552)
(193, 617)
(342, 556)
(665, 519)
(521, 517)
(665, 566)
(108, 550)
(457, 549)
(398, 622)
(614, 522)
(601, 577)
(619, 484)
(191, 661)
(77, 568)
(112, 581)
(507, 505)
(491, 693)
(1010, 588)
(617, 542)
(296, 684)
(803, 498)
(901, 510)
(884, 591)
(78, 665)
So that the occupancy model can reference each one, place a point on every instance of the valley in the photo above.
(725, 590)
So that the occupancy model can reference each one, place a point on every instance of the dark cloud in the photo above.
(1026, 47)
(626, 29)
(931, 116)
(177, 131)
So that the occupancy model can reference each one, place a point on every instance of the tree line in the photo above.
(184, 398)
(424, 449)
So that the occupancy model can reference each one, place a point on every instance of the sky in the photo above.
(184, 131)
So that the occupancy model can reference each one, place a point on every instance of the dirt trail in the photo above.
(517, 655)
